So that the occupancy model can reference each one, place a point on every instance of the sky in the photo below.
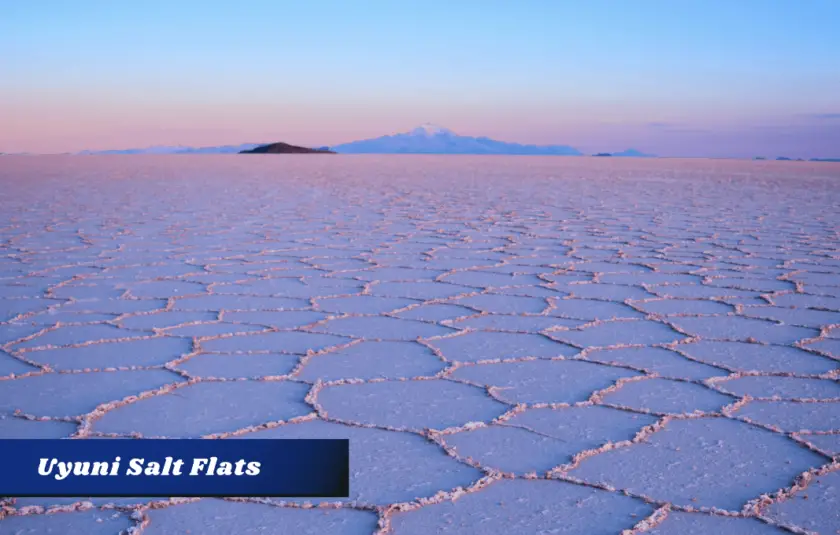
(730, 78)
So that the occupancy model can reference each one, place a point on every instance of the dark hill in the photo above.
(284, 148)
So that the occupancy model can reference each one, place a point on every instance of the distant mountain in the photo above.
(224, 149)
(147, 150)
(284, 148)
(825, 159)
(629, 153)
(425, 139)
(633, 153)
(179, 149)
(431, 139)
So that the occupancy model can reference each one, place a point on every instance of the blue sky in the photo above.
(693, 78)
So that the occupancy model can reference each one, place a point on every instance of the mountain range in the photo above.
(432, 139)
(629, 153)
(179, 149)
(425, 139)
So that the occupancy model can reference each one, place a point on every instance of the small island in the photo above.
(284, 148)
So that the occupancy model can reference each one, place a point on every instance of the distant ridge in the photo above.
(178, 149)
(432, 139)
(284, 148)
(629, 153)
(633, 153)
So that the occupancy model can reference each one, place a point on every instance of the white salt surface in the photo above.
(512, 345)
(218, 517)
(90, 522)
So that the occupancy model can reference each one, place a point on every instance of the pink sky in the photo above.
(48, 123)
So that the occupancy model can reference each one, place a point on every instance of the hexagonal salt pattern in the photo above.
(388, 466)
(62, 395)
(521, 506)
(531, 352)
(538, 440)
(434, 404)
(182, 412)
(219, 517)
(667, 396)
(815, 508)
(543, 381)
(710, 462)
(680, 523)
(11, 427)
(91, 522)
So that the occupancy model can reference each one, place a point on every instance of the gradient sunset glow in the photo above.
(691, 78)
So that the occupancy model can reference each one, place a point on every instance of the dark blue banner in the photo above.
(174, 468)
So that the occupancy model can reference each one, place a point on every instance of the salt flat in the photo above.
(513, 345)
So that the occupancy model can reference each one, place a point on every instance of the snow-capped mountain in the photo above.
(432, 139)
(429, 130)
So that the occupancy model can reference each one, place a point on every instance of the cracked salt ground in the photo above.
(436, 404)
(382, 328)
(185, 412)
(90, 522)
(371, 360)
(782, 387)
(162, 320)
(218, 517)
(676, 307)
(537, 354)
(816, 508)
(111, 354)
(681, 523)
(538, 440)
(656, 360)
(60, 395)
(237, 366)
(387, 467)
(520, 506)
(709, 462)
(616, 333)
(504, 304)
(436, 312)
(829, 347)
(285, 341)
(11, 427)
(741, 328)
(792, 416)
(521, 324)
(543, 381)
(10, 366)
(667, 396)
(746, 357)
(490, 346)
(592, 310)
(73, 335)
(830, 444)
